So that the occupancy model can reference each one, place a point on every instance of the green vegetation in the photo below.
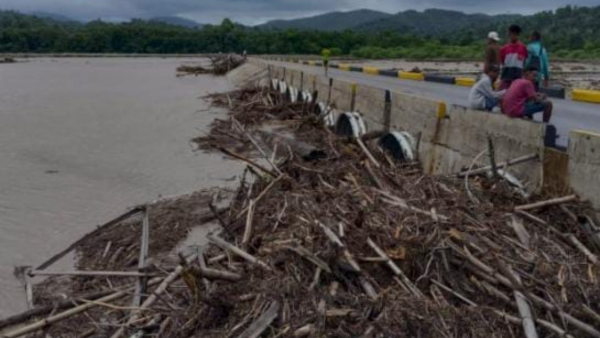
(569, 32)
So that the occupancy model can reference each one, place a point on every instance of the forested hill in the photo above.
(569, 32)
(433, 22)
(334, 21)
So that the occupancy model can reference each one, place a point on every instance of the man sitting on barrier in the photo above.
(482, 95)
(521, 99)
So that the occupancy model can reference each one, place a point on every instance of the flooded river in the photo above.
(83, 139)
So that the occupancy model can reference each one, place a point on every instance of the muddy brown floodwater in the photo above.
(81, 140)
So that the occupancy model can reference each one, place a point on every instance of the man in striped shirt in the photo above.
(513, 56)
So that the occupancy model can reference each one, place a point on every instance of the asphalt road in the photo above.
(568, 115)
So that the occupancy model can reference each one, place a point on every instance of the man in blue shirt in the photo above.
(538, 58)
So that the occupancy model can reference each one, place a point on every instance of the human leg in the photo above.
(490, 103)
(532, 108)
(548, 111)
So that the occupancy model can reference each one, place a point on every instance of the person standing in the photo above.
(482, 95)
(492, 52)
(512, 56)
(538, 58)
(325, 57)
(521, 99)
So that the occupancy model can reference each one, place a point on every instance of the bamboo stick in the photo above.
(550, 202)
(92, 273)
(245, 159)
(395, 268)
(262, 323)
(151, 299)
(502, 165)
(69, 313)
(237, 251)
(141, 286)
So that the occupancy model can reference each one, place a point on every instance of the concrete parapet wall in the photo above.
(370, 102)
(464, 134)
(584, 165)
(341, 95)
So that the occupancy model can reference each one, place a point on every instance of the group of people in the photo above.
(512, 77)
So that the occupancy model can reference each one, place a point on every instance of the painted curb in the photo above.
(440, 79)
(388, 72)
(411, 76)
(465, 81)
(585, 95)
(371, 70)
(344, 66)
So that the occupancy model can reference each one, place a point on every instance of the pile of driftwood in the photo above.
(337, 239)
(219, 65)
(7, 60)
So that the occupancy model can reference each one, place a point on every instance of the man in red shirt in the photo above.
(521, 99)
(512, 56)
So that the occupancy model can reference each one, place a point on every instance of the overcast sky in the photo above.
(258, 11)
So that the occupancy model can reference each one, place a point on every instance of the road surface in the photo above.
(568, 115)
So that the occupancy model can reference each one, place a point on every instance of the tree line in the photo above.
(569, 32)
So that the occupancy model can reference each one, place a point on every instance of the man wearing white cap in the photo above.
(492, 53)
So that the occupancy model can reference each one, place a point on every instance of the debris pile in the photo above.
(219, 65)
(344, 241)
(7, 60)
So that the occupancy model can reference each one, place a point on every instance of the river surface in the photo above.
(81, 140)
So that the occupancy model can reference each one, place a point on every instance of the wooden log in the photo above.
(41, 311)
(173, 276)
(365, 150)
(306, 254)
(260, 196)
(93, 273)
(144, 245)
(245, 159)
(554, 201)
(248, 229)
(253, 141)
(219, 274)
(237, 251)
(502, 165)
(397, 201)
(262, 323)
(305, 331)
(68, 313)
(592, 331)
(395, 268)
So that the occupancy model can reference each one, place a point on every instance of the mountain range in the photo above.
(169, 20)
(177, 21)
(333, 21)
(433, 22)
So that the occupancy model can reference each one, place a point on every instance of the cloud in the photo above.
(256, 11)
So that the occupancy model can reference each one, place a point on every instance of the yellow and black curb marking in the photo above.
(581, 95)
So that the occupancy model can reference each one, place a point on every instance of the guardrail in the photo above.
(581, 95)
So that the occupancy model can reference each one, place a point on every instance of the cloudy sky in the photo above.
(258, 11)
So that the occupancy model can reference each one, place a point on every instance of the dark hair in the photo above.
(516, 29)
(531, 69)
(494, 68)
(537, 36)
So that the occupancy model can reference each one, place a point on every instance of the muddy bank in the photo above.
(343, 239)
